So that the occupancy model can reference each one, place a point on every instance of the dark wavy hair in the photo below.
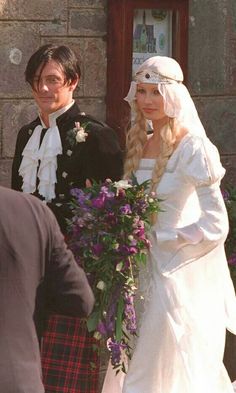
(61, 54)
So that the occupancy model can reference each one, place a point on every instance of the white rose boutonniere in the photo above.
(81, 135)
(77, 134)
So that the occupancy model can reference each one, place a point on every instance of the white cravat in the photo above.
(47, 154)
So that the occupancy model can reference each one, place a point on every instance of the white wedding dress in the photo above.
(190, 299)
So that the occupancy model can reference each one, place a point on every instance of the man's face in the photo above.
(50, 90)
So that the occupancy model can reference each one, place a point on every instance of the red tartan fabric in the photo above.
(69, 363)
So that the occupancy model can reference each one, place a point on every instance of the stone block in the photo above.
(95, 64)
(93, 106)
(17, 41)
(15, 114)
(231, 69)
(33, 10)
(53, 28)
(88, 22)
(87, 3)
(208, 37)
(5, 173)
(218, 116)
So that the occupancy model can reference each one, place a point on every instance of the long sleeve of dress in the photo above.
(202, 168)
(200, 171)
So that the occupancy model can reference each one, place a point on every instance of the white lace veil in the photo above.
(167, 74)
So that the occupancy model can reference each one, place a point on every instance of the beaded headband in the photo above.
(148, 76)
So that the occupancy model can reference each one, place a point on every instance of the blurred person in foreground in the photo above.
(62, 149)
(32, 251)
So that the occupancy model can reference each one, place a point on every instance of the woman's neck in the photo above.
(159, 124)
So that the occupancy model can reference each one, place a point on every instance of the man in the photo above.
(62, 149)
(32, 250)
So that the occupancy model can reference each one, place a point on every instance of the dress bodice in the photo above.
(194, 163)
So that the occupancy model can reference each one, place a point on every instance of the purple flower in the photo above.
(80, 196)
(116, 349)
(130, 314)
(77, 193)
(99, 202)
(132, 240)
(108, 194)
(126, 209)
(132, 250)
(140, 206)
(101, 328)
(124, 249)
(140, 233)
(97, 249)
(111, 218)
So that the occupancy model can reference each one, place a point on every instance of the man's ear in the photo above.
(74, 83)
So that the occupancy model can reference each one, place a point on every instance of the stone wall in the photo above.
(212, 73)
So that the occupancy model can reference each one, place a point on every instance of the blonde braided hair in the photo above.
(136, 139)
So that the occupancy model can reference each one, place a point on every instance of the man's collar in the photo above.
(55, 115)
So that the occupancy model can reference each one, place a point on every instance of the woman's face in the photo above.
(150, 102)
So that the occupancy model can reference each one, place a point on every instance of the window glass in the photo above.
(152, 34)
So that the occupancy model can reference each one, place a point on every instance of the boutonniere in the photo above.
(77, 134)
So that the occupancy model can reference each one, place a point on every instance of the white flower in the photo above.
(116, 246)
(122, 184)
(97, 336)
(119, 266)
(101, 285)
(81, 135)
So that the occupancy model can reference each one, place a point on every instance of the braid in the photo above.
(136, 139)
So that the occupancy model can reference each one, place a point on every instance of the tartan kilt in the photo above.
(69, 362)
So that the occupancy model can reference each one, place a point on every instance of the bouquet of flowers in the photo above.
(229, 195)
(108, 236)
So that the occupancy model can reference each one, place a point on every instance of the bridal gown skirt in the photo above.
(182, 336)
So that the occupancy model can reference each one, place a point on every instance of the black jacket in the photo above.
(98, 158)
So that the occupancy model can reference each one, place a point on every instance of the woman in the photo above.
(190, 300)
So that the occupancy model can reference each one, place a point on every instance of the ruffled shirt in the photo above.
(40, 161)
